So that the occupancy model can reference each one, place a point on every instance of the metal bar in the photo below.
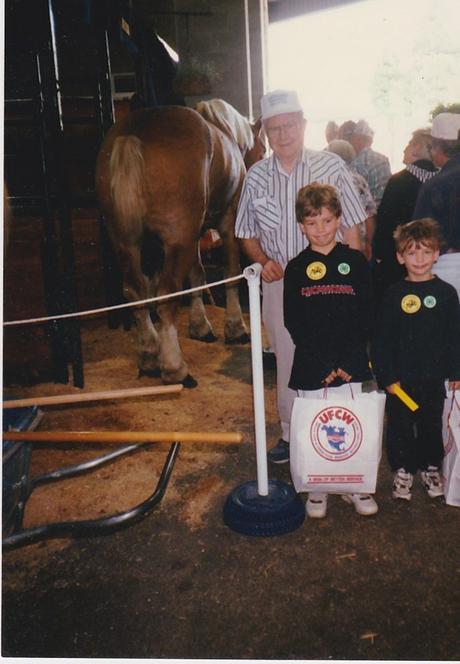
(80, 468)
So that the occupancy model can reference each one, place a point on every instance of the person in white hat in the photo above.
(372, 165)
(439, 198)
(269, 233)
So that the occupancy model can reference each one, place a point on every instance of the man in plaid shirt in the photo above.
(372, 165)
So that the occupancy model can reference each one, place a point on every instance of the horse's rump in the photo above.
(154, 167)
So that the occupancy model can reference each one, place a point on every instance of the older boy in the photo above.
(326, 311)
(417, 346)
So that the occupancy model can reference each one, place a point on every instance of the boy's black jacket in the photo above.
(422, 346)
(328, 317)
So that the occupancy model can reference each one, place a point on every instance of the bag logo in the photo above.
(316, 270)
(410, 304)
(336, 433)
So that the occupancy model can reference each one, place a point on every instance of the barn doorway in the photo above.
(389, 62)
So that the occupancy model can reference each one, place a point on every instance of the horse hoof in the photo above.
(151, 373)
(189, 381)
(242, 339)
(209, 338)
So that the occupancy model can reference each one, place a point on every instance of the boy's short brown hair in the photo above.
(313, 197)
(421, 231)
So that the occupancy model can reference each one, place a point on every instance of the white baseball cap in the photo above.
(446, 126)
(363, 129)
(278, 102)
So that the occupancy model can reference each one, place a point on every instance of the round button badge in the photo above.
(344, 268)
(410, 304)
(429, 301)
(316, 270)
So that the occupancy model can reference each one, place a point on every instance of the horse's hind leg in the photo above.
(235, 329)
(199, 327)
(177, 264)
(136, 287)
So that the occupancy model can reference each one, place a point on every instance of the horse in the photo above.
(169, 172)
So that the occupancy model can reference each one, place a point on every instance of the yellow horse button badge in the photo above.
(316, 270)
(410, 304)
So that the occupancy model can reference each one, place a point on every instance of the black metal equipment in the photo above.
(18, 487)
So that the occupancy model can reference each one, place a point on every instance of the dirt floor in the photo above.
(180, 583)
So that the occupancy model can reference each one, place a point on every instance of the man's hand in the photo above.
(391, 388)
(272, 271)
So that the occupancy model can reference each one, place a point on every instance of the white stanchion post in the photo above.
(252, 275)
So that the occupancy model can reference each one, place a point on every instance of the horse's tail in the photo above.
(127, 184)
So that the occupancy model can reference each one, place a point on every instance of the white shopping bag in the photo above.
(451, 436)
(336, 442)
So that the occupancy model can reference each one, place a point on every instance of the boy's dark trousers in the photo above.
(414, 439)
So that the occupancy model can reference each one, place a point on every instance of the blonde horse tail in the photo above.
(127, 184)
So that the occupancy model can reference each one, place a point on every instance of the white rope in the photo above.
(137, 303)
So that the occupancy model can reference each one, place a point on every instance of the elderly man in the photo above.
(266, 224)
(439, 198)
(372, 165)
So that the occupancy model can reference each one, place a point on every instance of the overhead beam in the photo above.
(282, 10)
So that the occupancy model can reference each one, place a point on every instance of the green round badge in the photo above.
(429, 301)
(344, 268)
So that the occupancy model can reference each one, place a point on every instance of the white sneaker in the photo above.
(402, 484)
(316, 505)
(432, 480)
(363, 503)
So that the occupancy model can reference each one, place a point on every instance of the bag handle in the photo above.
(454, 401)
(351, 390)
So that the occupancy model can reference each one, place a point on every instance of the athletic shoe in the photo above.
(279, 453)
(363, 503)
(316, 505)
(402, 484)
(432, 480)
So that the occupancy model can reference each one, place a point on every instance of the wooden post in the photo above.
(60, 399)
(117, 437)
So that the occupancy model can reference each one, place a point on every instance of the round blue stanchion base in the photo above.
(249, 513)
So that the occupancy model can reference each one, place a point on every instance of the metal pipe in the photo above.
(252, 275)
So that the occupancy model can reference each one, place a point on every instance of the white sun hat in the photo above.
(278, 102)
(446, 126)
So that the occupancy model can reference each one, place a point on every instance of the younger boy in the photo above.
(417, 346)
(326, 310)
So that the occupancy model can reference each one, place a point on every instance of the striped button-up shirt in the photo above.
(266, 209)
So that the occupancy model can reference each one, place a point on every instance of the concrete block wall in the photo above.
(217, 39)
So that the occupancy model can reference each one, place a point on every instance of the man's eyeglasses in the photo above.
(286, 128)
